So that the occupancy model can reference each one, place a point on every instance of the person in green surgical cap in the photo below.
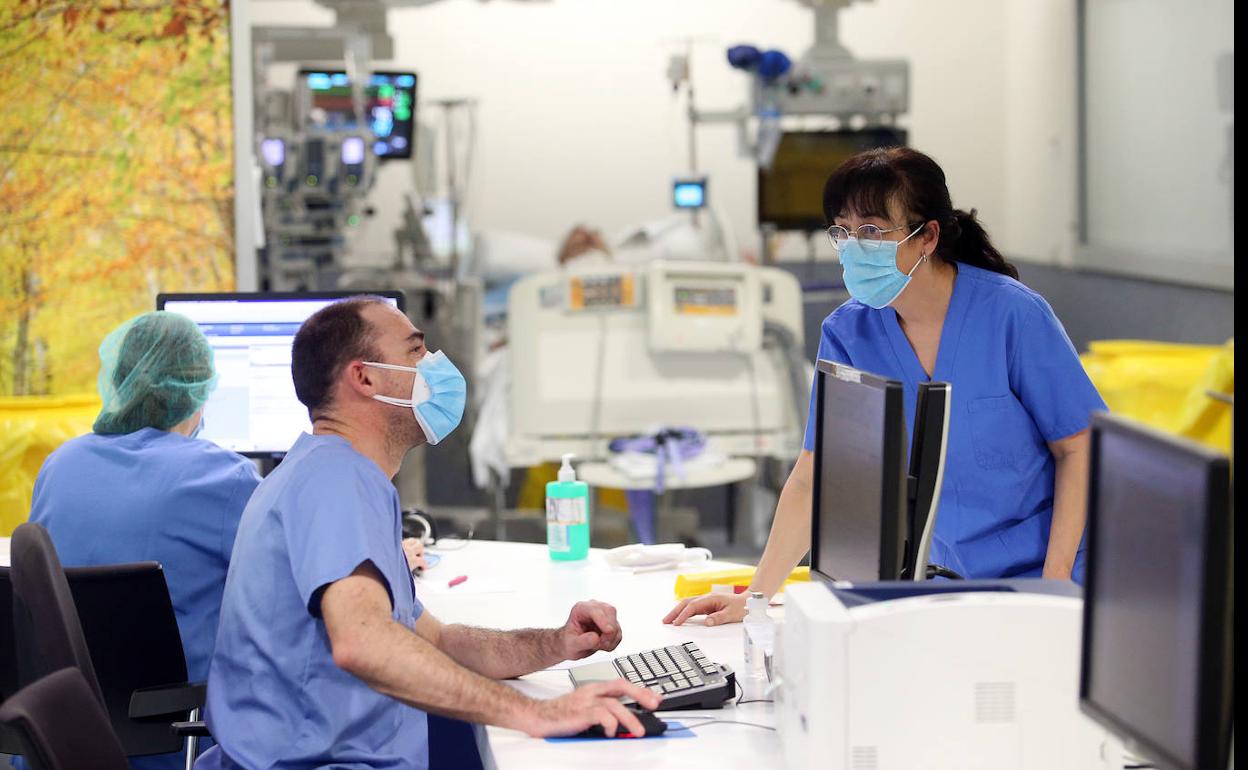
(142, 487)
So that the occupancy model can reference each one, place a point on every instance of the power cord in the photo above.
(741, 694)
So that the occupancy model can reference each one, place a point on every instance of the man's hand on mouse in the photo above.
(592, 704)
(591, 626)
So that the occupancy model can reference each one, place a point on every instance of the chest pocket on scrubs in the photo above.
(1000, 430)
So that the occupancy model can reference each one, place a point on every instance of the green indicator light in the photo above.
(352, 179)
(353, 220)
(270, 182)
(311, 180)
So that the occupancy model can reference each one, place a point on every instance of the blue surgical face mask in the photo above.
(438, 394)
(871, 275)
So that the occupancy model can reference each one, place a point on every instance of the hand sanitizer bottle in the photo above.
(567, 515)
(760, 631)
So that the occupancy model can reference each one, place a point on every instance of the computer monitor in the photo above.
(790, 192)
(927, 473)
(859, 501)
(254, 410)
(389, 108)
(1158, 618)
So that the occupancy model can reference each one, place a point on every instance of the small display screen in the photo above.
(352, 151)
(389, 108)
(273, 151)
(601, 291)
(706, 300)
(689, 195)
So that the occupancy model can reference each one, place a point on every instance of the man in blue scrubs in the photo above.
(140, 487)
(933, 299)
(325, 657)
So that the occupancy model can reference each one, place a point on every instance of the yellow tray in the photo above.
(698, 583)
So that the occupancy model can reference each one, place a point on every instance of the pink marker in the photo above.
(456, 581)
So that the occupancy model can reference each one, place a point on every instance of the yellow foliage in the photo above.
(115, 174)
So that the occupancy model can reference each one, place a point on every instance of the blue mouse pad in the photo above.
(674, 730)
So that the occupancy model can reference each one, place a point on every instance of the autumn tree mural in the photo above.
(115, 174)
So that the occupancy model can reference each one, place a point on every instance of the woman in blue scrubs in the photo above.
(141, 487)
(932, 299)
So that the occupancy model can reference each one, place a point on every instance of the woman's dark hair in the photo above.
(868, 182)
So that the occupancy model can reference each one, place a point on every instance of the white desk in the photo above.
(543, 592)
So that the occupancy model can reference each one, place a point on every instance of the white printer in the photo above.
(968, 675)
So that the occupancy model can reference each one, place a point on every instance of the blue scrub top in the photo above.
(275, 697)
(1017, 384)
(151, 495)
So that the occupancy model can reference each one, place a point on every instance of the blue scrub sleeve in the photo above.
(1047, 375)
(829, 350)
(246, 479)
(341, 517)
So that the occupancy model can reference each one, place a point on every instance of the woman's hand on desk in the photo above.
(592, 704)
(718, 609)
(414, 550)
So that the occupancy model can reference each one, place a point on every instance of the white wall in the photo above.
(578, 122)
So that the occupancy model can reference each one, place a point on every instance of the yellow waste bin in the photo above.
(1167, 385)
(30, 428)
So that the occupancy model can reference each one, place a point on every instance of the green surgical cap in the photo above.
(156, 370)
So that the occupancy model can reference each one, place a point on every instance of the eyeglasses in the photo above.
(868, 235)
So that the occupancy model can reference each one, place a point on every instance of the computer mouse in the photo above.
(651, 723)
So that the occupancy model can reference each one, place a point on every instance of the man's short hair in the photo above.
(331, 338)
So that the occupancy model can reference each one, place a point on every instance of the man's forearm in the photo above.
(404, 666)
(500, 654)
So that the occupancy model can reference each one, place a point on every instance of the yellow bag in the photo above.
(30, 428)
(1167, 385)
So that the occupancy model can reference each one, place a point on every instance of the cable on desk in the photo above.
(741, 694)
(721, 722)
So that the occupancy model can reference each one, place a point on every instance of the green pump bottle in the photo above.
(567, 515)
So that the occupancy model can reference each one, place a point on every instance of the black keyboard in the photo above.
(682, 673)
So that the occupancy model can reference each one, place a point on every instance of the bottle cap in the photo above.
(566, 471)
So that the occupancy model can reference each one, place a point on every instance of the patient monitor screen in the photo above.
(389, 108)
(253, 409)
(850, 488)
(790, 193)
(1146, 586)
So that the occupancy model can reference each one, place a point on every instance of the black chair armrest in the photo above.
(167, 700)
(191, 729)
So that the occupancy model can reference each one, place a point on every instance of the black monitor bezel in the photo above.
(891, 554)
(406, 154)
(1214, 712)
(796, 224)
(265, 296)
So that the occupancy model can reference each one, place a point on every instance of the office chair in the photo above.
(119, 618)
(48, 636)
(61, 726)
(9, 742)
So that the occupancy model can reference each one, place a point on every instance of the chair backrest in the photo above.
(128, 621)
(62, 726)
(48, 633)
(9, 743)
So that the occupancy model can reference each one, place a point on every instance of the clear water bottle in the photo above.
(760, 633)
